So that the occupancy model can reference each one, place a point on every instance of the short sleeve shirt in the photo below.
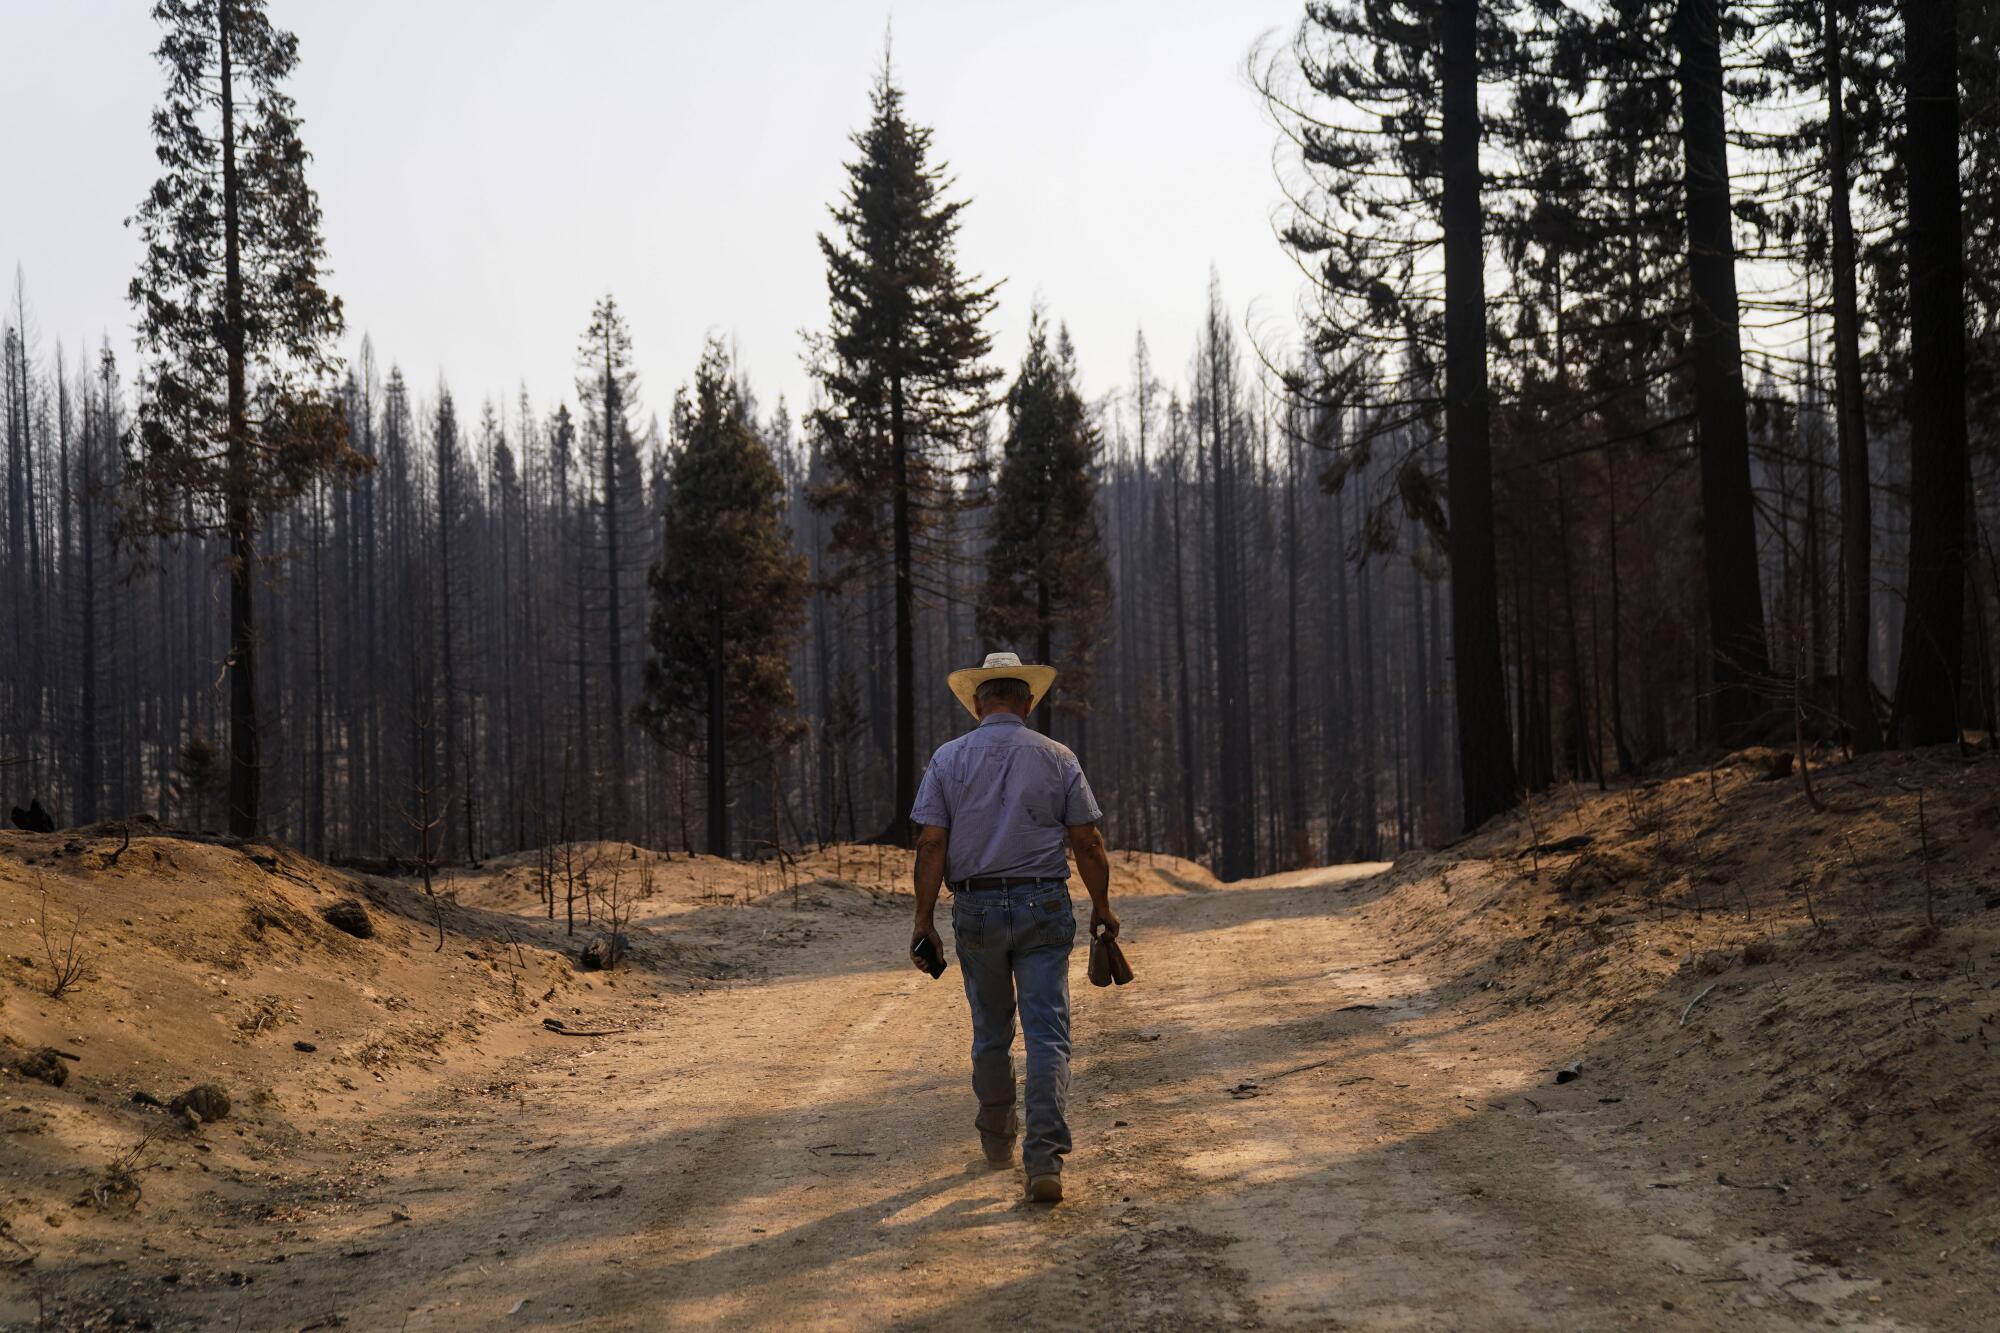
(1006, 792)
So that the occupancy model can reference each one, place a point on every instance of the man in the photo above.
(992, 812)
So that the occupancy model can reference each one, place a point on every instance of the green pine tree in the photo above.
(1047, 583)
(729, 593)
(239, 413)
(903, 368)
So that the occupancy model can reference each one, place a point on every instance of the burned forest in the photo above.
(494, 575)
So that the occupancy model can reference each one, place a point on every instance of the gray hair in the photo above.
(1004, 690)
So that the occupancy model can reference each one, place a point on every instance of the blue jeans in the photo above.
(1013, 946)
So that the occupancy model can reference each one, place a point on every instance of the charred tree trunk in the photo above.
(239, 517)
(1293, 852)
(1233, 799)
(614, 597)
(1340, 784)
(316, 816)
(87, 739)
(1186, 691)
(447, 489)
(906, 654)
(718, 759)
(1931, 666)
(1620, 746)
(1729, 535)
(1367, 806)
(1487, 775)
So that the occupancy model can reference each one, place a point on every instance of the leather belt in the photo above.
(987, 883)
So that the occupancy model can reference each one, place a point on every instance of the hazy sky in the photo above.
(488, 167)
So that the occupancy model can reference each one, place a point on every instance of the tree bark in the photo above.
(1857, 694)
(1729, 535)
(1930, 671)
(1486, 772)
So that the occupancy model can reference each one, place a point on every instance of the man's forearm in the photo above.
(929, 877)
(1095, 870)
(1093, 864)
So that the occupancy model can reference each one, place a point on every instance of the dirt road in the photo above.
(1277, 1126)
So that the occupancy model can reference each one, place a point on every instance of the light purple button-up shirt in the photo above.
(1006, 792)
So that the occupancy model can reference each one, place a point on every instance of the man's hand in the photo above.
(926, 930)
(1105, 917)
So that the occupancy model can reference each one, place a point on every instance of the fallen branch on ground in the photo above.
(1695, 1001)
(562, 1029)
(1249, 1086)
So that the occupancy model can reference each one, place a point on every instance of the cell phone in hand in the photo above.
(925, 951)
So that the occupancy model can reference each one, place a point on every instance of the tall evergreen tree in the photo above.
(1047, 583)
(728, 594)
(237, 417)
(903, 368)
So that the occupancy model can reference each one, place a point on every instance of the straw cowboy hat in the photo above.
(1001, 666)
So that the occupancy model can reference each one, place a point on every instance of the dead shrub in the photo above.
(119, 1186)
(69, 964)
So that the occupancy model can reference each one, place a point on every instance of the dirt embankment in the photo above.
(1334, 1098)
(316, 999)
(1803, 1002)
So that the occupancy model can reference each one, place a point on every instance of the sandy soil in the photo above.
(1328, 1101)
